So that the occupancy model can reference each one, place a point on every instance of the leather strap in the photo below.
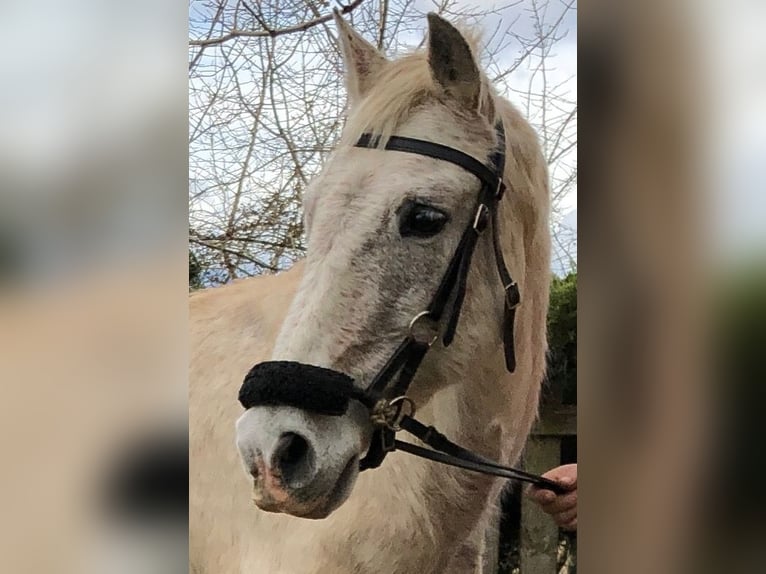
(483, 468)
(453, 454)
(512, 299)
(392, 366)
(383, 438)
(435, 151)
(459, 284)
(417, 354)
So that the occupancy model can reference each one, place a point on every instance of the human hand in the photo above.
(561, 507)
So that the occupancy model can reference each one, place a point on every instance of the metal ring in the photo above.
(398, 404)
(515, 303)
(500, 190)
(414, 322)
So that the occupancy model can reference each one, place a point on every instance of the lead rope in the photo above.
(398, 415)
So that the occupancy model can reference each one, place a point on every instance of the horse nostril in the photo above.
(293, 459)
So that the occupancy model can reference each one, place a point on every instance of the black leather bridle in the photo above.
(328, 392)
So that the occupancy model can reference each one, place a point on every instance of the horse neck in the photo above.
(422, 492)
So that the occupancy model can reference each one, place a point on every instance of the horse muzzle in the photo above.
(302, 463)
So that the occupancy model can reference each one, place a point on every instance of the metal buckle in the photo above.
(480, 221)
(500, 190)
(517, 296)
(414, 323)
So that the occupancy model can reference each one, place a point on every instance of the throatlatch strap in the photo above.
(512, 298)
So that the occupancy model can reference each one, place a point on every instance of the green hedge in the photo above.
(562, 338)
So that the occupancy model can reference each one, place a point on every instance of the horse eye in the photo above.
(416, 219)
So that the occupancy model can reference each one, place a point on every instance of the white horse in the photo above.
(346, 307)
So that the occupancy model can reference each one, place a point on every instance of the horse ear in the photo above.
(362, 60)
(452, 64)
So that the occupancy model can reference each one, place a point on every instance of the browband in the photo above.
(435, 151)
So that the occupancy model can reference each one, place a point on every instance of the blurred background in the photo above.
(117, 196)
(671, 285)
(93, 221)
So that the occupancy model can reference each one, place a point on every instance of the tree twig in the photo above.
(271, 33)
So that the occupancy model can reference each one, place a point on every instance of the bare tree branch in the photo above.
(271, 33)
(264, 114)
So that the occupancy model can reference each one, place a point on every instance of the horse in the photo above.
(381, 228)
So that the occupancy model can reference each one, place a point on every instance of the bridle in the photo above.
(328, 392)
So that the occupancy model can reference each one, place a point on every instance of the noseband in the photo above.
(328, 392)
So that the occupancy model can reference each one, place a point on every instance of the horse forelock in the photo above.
(402, 87)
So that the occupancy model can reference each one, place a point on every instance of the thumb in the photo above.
(567, 481)
(565, 475)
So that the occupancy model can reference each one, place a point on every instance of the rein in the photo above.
(328, 392)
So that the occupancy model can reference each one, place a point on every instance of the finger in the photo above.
(566, 517)
(571, 525)
(542, 496)
(561, 503)
(566, 475)
(568, 482)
